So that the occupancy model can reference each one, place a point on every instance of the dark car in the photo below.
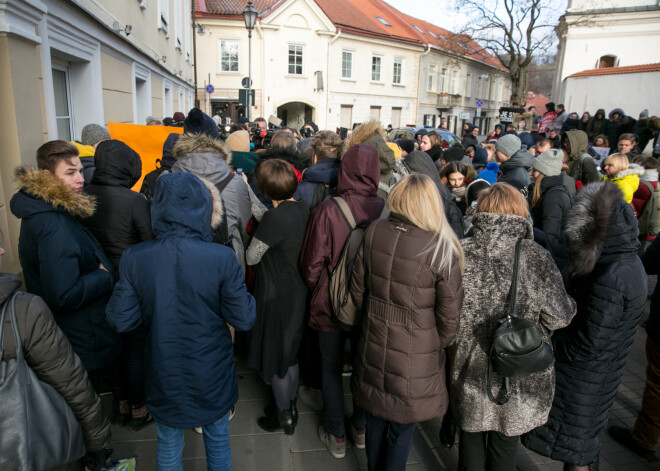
(448, 138)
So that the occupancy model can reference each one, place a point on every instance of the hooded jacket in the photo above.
(570, 124)
(614, 129)
(210, 158)
(324, 172)
(49, 354)
(651, 261)
(581, 167)
(164, 165)
(60, 260)
(469, 139)
(122, 217)
(327, 230)
(515, 171)
(596, 126)
(541, 298)
(607, 280)
(185, 290)
(419, 162)
(410, 317)
(627, 180)
(372, 134)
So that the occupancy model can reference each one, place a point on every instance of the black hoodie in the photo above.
(122, 216)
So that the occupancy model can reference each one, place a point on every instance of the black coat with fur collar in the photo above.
(607, 280)
(60, 261)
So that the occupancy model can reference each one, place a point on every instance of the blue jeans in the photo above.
(388, 444)
(216, 440)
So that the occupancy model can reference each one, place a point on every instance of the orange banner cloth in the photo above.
(145, 140)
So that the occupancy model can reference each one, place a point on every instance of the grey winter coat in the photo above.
(607, 279)
(486, 283)
(50, 356)
(209, 158)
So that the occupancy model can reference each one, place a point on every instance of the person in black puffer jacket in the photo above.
(550, 202)
(515, 162)
(607, 280)
(122, 216)
(319, 181)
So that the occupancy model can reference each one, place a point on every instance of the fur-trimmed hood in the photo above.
(372, 134)
(42, 192)
(291, 155)
(633, 169)
(201, 144)
(600, 226)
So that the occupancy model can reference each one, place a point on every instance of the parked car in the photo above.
(448, 138)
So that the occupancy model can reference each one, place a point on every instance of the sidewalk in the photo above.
(254, 449)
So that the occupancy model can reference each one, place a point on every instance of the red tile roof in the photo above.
(361, 17)
(631, 69)
(536, 100)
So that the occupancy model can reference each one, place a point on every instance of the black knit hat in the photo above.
(198, 122)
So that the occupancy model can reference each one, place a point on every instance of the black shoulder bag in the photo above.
(518, 348)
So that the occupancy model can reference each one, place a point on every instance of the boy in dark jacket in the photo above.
(515, 161)
(185, 289)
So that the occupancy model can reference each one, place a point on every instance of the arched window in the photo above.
(607, 61)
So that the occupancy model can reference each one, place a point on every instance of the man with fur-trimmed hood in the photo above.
(370, 133)
(209, 158)
(61, 260)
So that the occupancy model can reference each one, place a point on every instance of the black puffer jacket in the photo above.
(50, 356)
(122, 216)
(550, 214)
(651, 261)
(596, 125)
(515, 171)
(607, 280)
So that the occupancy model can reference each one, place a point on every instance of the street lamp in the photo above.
(250, 16)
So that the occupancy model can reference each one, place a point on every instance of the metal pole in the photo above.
(194, 35)
(249, 92)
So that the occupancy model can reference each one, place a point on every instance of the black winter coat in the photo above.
(60, 260)
(515, 171)
(550, 214)
(651, 261)
(322, 173)
(607, 280)
(122, 217)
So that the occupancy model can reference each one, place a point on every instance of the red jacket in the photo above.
(359, 174)
(640, 198)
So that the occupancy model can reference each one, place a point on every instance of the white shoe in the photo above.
(198, 430)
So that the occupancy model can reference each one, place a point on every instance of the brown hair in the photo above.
(604, 138)
(502, 198)
(453, 167)
(276, 179)
(434, 138)
(327, 145)
(50, 154)
(283, 139)
(628, 137)
(536, 195)
(649, 163)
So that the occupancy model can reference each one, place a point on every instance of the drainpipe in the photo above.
(194, 35)
(327, 75)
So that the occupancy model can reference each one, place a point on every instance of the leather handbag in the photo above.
(39, 429)
(518, 348)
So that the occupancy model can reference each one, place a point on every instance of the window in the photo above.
(454, 81)
(347, 64)
(383, 21)
(376, 62)
(417, 28)
(468, 85)
(398, 71)
(62, 104)
(432, 34)
(374, 113)
(142, 98)
(430, 86)
(607, 61)
(228, 56)
(164, 15)
(396, 117)
(429, 120)
(167, 99)
(346, 116)
(295, 59)
(178, 25)
(443, 80)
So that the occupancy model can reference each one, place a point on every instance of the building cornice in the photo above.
(21, 18)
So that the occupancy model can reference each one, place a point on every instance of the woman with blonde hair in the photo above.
(407, 281)
(624, 174)
(489, 432)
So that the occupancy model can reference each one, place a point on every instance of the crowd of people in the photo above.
(250, 240)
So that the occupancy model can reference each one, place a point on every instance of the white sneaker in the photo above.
(198, 430)
(232, 412)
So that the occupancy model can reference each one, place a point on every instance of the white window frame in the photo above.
(187, 28)
(164, 16)
(430, 84)
(380, 68)
(468, 85)
(350, 70)
(443, 81)
(142, 73)
(178, 25)
(397, 61)
(168, 99)
(238, 57)
(454, 81)
(295, 62)
(67, 85)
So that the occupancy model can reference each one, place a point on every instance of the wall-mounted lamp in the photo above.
(126, 29)
(162, 59)
(180, 73)
(201, 29)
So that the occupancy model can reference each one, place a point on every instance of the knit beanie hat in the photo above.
(508, 144)
(549, 162)
(644, 113)
(406, 144)
(454, 154)
(198, 122)
(480, 156)
(93, 133)
(489, 173)
(178, 117)
(239, 141)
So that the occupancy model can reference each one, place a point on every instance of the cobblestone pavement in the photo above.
(254, 449)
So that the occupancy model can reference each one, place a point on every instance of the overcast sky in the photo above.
(439, 12)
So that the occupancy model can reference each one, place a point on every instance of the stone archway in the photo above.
(295, 114)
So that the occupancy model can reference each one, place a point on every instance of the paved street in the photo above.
(254, 449)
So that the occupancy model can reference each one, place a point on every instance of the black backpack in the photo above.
(149, 182)
(321, 193)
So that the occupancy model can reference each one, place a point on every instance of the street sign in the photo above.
(464, 115)
(243, 95)
(479, 103)
(246, 82)
(210, 89)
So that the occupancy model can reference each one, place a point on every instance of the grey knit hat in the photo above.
(549, 162)
(644, 113)
(93, 133)
(508, 144)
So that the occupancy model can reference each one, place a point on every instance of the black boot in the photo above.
(286, 421)
(270, 423)
(294, 411)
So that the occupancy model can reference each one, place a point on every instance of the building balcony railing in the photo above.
(449, 100)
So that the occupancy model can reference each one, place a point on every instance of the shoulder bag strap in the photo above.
(223, 183)
(514, 282)
(345, 211)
